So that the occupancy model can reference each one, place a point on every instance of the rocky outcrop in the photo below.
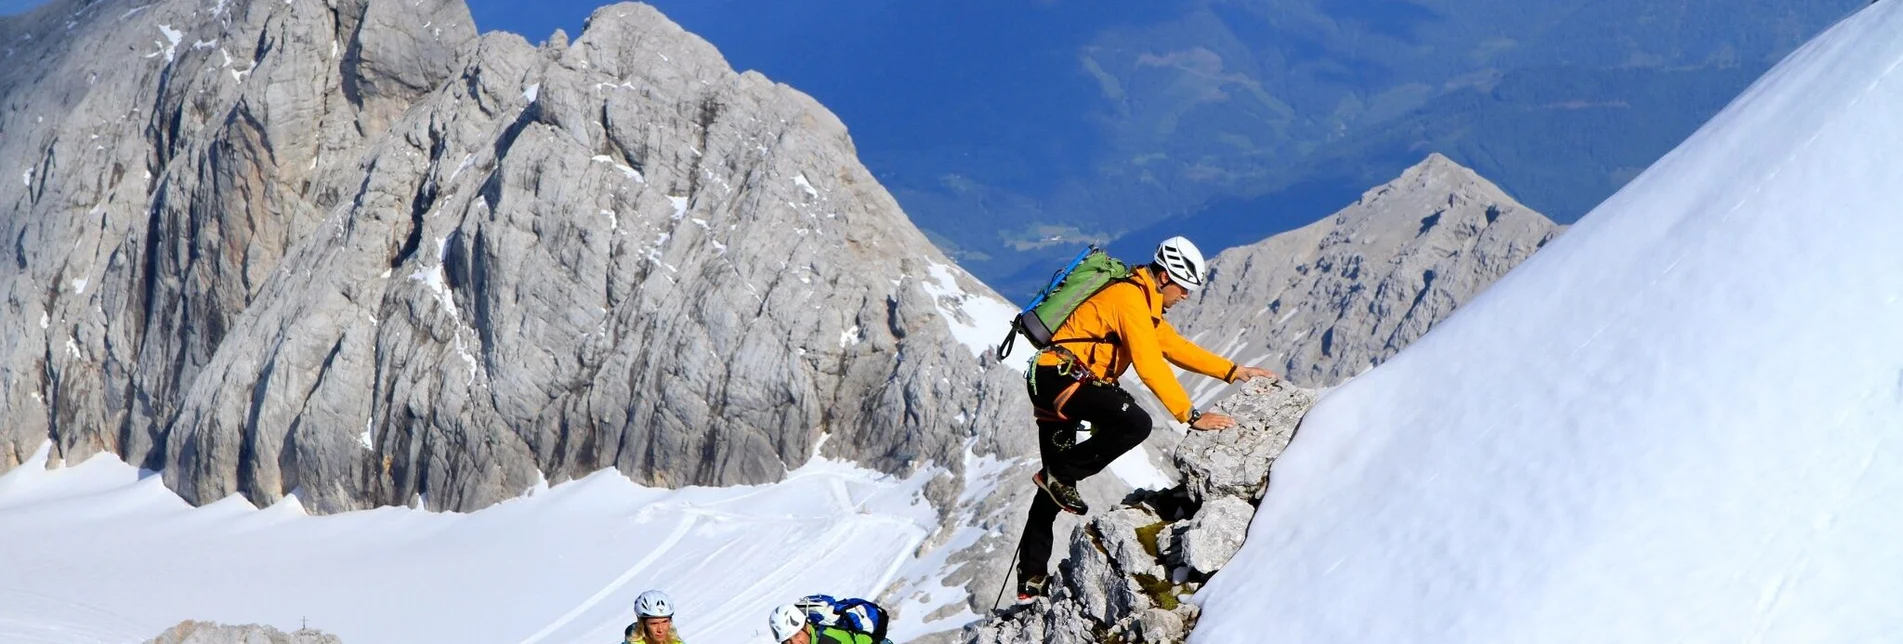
(1214, 465)
(1131, 573)
(1207, 541)
(356, 251)
(1327, 301)
(1321, 303)
(190, 632)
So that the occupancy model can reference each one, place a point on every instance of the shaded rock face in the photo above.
(1327, 301)
(1131, 572)
(354, 250)
(190, 632)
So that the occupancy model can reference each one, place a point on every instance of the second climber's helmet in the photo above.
(785, 622)
(653, 603)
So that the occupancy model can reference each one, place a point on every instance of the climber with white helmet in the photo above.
(1075, 381)
(791, 625)
(654, 620)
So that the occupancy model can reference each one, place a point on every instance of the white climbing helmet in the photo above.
(1183, 262)
(786, 621)
(653, 603)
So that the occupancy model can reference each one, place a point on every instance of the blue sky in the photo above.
(10, 7)
(538, 22)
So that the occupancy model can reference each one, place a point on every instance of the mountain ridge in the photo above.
(486, 236)
(1352, 289)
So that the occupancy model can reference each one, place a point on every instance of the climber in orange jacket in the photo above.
(1076, 381)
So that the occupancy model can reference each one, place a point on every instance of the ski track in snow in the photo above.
(100, 552)
(680, 531)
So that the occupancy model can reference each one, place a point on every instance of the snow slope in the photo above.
(1680, 422)
(101, 552)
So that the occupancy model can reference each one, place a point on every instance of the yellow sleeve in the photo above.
(1140, 337)
(1183, 353)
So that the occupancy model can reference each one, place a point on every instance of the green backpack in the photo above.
(1090, 272)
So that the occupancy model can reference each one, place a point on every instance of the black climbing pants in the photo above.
(1117, 424)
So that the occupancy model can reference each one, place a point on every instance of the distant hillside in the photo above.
(1014, 131)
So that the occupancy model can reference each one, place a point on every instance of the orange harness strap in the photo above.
(1057, 406)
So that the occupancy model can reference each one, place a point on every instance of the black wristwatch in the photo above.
(1195, 415)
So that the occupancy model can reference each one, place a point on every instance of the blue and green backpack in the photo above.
(1091, 271)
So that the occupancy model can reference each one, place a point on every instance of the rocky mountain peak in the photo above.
(356, 252)
(1327, 301)
(1412, 208)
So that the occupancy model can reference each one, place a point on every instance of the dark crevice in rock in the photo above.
(164, 125)
(254, 128)
(1427, 287)
(247, 464)
(147, 303)
(636, 159)
(420, 204)
(482, 299)
(894, 319)
(49, 390)
(351, 63)
(44, 174)
(704, 117)
(288, 455)
(530, 115)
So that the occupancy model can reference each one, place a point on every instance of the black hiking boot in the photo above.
(1032, 587)
(1063, 493)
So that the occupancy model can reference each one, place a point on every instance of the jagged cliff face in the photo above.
(355, 250)
(1327, 301)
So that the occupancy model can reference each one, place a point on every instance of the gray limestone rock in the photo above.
(1324, 302)
(1117, 580)
(1104, 592)
(1117, 532)
(355, 251)
(193, 632)
(1044, 621)
(1158, 625)
(1235, 461)
(1207, 542)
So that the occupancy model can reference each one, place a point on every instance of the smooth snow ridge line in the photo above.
(680, 530)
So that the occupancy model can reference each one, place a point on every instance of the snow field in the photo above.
(101, 552)
(1678, 422)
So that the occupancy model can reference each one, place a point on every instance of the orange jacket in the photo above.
(1133, 311)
